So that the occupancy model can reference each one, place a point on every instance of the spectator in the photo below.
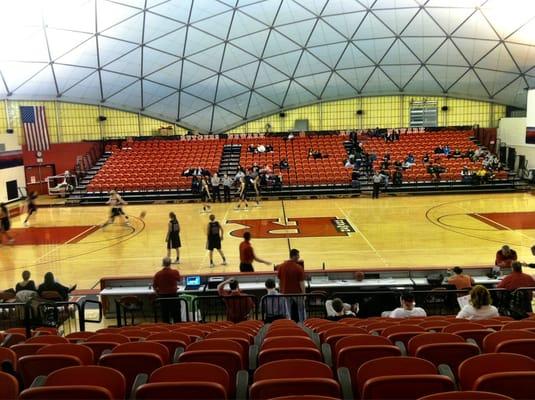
(407, 309)
(247, 254)
(439, 150)
(398, 177)
(50, 285)
(239, 305)
(165, 284)
(480, 305)
(227, 186)
(337, 310)
(291, 274)
(425, 159)
(283, 164)
(520, 301)
(215, 182)
(505, 257)
(460, 280)
(26, 284)
(377, 179)
(446, 150)
(274, 306)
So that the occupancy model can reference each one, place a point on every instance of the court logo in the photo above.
(273, 228)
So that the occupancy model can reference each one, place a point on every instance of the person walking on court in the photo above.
(116, 202)
(215, 181)
(376, 180)
(173, 237)
(165, 284)
(242, 193)
(206, 197)
(247, 254)
(31, 207)
(214, 233)
(227, 185)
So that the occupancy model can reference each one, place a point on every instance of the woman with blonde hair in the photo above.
(480, 305)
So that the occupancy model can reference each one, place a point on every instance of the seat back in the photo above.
(524, 324)
(229, 360)
(30, 367)
(478, 335)
(9, 387)
(47, 339)
(518, 346)
(108, 337)
(466, 395)
(78, 336)
(231, 333)
(92, 375)
(26, 349)
(517, 384)
(295, 368)
(287, 341)
(219, 344)
(461, 326)
(98, 347)
(283, 331)
(131, 364)
(492, 340)
(405, 387)
(470, 370)
(7, 354)
(79, 392)
(83, 353)
(270, 388)
(431, 338)
(275, 354)
(403, 337)
(360, 340)
(181, 391)
(452, 354)
(144, 347)
(169, 335)
(341, 330)
(401, 328)
(353, 357)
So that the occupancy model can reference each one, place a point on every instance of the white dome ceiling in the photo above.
(213, 64)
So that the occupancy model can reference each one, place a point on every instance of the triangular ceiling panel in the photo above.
(260, 106)
(112, 49)
(329, 54)
(41, 86)
(205, 9)
(85, 55)
(210, 58)
(356, 77)
(353, 58)
(285, 63)
(523, 55)
(154, 60)
(16, 74)
(446, 75)
(310, 65)
(335, 7)
(130, 30)
(372, 28)
(423, 82)
(473, 50)
(268, 75)
(164, 108)
(172, 42)
(228, 88)
(253, 43)
(423, 47)
(86, 90)
(110, 14)
(375, 49)
(244, 73)
(157, 26)
(315, 83)
(380, 83)
(298, 95)
(243, 25)
(291, 11)
(205, 89)
(218, 25)
(314, 6)
(476, 27)
(498, 59)
(81, 15)
(513, 93)
(61, 41)
(500, 20)
(449, 18)
(201, 119)
(447, 54)
(381, 4)
(400, 74)
(494, 80)
(524, 34)
(469, 83)
(128, 98)
(67, 75)
(338, 88)
(199, 41)
(274, 92)
(236, 104)
(399, 54)
(194, 73)
(235, 56)
(190, 104)
(152, 92)
(225, 119)
(324, 34)
(128, 64)
(169, 75)
(398, 19)
(299, 32)
(346, 23)
(262, 11)
(177, 10)
(112, 82)
(278, 44)
(423, 25)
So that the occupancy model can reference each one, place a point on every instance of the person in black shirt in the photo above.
(173, 237)
(31, 206)
(26, 284)
(214, 233)
(50, 285)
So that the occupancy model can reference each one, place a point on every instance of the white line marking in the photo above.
(65, 243)
(363, 236)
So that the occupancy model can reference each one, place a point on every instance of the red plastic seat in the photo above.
(79, 392)
(270, 388)
(30, 367)
(9, 355)
(491, 341)
(305, 397)
(274, 354)
(341, 330)
(170, 335)
(295, 368)
(355, 350)
(231, 333)
(283, 331)
(478, 335)
(144, 347)
(517, 384)
(47, 339)
(466, 395)
(462, 326)
(78, 336)
(108, 337)
(24, 349)
(9, 387)
(83, 353)
(279, 342)
(98, 348)
(220, 344)
(524, 324)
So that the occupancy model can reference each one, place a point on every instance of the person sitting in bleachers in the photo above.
(439, 150)
(315, 154)
(425, 158)
(409, 160)
(337, 310)
(457, 153)
(239, 305)
(398, 177)
(283, 164)
(50, 285)
(407, 309)
(480, 305)
(446, 150)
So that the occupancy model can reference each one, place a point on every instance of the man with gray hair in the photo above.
(165, 284)
(505, 257)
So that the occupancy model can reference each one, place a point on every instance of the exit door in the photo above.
(36, 177)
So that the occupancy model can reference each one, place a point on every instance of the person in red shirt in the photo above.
(517, 279)
(165, 284)
(239, 305)
(291, 274)
(505, 257)
(247, 255)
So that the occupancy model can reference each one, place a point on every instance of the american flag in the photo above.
(35, 128)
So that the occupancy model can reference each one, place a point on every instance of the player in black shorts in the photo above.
(214, 233)
(5, 224)
(206, 197)
(242, 193)
(173, 237)
(31, 207)
(116, 202)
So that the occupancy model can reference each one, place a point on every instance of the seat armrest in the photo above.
(140, 379)
(38, 381)
(444, 369)
(402, 347)
(178, 352)
(327, 354)
(344, 378)
(253, 357)
(242, 383)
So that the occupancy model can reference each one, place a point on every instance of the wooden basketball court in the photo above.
(392, 232)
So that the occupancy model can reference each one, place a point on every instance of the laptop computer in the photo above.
(193, 282)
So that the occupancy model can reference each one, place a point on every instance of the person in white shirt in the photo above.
(407, 309)
(480, 305)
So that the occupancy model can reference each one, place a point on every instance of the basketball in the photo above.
(142, 214)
